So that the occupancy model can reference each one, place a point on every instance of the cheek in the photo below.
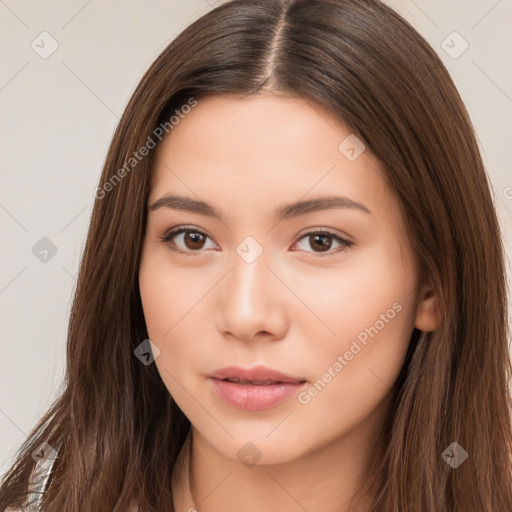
(167, 293)
(369, 288)
(370, 308)
(171, 301)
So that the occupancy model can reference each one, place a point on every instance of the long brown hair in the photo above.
(119, 427)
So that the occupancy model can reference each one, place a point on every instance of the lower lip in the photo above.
(253, 397)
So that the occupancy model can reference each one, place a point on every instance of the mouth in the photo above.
(257, 375)
(254, 389)
(237, 380)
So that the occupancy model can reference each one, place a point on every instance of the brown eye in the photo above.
(322, 242)
(194, 240)
(186, 240)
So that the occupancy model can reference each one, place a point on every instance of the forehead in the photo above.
(262, 126)
(264, 150)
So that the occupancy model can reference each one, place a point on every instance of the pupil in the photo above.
(195, 238)
(322, 246)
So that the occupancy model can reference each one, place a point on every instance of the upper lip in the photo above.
(256, 373)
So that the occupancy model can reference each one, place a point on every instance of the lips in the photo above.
(256, 376)
(253, 389)
(252, 382)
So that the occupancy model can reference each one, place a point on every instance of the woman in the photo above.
(292, 295)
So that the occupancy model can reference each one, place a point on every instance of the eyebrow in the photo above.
(287, 211)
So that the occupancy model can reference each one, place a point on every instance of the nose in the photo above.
(251, 302)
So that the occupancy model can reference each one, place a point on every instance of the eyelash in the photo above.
(169, 235)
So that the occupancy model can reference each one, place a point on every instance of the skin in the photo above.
(291, 309)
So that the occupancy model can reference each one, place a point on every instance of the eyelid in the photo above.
(345, 243)
(328, 231)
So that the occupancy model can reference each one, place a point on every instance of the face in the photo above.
(327, 294)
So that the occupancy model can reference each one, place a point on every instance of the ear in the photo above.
(428, 315)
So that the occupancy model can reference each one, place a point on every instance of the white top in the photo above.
(182, 497)
(38, 482)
